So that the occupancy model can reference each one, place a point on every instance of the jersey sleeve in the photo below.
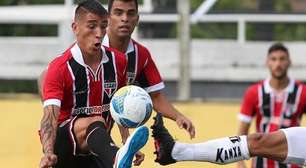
(53, 86)
(248, 106)
(150, 78)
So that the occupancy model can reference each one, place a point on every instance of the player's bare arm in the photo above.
(124, 132)
(162, 105)
(48, 135)
(40, 83)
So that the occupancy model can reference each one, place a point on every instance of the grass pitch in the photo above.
(20, 119)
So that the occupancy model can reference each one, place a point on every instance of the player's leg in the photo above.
(286, 145)
(163, 142)
(102, 146)
(132, 145)
(63, 147)
(272, 145)
(100, 143)
(220, 151)
(296, 140)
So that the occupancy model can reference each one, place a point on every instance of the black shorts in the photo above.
(68, 155)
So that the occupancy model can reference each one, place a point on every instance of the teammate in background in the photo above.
(277, 102)
(141, 70)
(283, 105)
(77, 89)
(285, 145)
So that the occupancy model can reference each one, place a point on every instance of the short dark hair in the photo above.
(111, 2)
(278, 46)
(92, 6)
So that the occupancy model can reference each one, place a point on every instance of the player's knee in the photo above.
(256, 143)
(93, 126)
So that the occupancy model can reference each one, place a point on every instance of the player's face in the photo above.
(90, 30)
(123, 18)
(278, 63)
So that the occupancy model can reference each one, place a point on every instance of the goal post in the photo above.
(184, 50)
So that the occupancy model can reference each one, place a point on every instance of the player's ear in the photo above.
(74, 27)
(137, 20)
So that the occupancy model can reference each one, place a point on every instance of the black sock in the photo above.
(101, 144)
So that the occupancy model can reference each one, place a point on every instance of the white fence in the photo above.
(25, 57)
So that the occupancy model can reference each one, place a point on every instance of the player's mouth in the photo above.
(124, 28)
(97, 46)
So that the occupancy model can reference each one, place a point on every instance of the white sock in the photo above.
(220, 151)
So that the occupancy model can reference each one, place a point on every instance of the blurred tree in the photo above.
(214, 31)
(164, 6)
(265, 31)
(282, 7)
(255, 31)
(27, 30)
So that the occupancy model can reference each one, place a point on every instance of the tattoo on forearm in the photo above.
(48, 128)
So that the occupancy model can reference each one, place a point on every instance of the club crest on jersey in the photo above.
(109, 88)
(131, 77)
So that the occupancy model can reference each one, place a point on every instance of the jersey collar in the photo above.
(130, 48)
(77, 55)
(269, 89)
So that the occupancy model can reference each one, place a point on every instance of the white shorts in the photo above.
(296, 139)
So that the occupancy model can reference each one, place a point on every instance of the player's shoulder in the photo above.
(253, 88)
(141, 48)
(119, 56)
(256, 85)
(61, 59)
(301, 84)
(298, 82)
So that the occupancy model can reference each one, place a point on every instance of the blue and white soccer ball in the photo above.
(131, 106)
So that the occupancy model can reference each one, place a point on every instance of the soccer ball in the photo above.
(131, 106)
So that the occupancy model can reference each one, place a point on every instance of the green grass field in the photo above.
(20, 118)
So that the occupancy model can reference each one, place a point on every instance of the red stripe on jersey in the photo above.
(270, 163)
(95, 94)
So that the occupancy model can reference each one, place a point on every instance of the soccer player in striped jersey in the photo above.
(276, 102)
(77, 88)
(141, 70)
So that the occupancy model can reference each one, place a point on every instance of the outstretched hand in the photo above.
(139, 158)
(184, 122)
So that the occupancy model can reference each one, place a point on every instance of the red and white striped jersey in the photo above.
(141, 69)
(273, 110)
(74, 87)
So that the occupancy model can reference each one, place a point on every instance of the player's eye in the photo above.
(103, 26)
(273, 59)
(117, 12)
(132, 13)
(92, 26)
